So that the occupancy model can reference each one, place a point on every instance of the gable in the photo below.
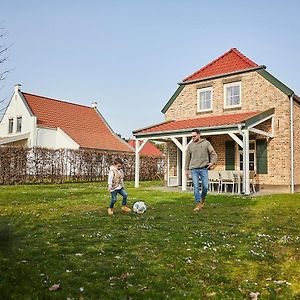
(231, 63)
(16, 107)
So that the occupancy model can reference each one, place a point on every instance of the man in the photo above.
(200, 157)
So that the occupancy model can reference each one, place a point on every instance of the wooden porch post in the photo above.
(246, 178)
(183, 176)
(137, 164)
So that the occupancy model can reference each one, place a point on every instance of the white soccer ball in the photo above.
(139, 207)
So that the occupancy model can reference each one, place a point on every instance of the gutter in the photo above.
(292, 143)
(185, 130)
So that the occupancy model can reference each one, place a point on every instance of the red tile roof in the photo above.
(213, 121)
(85, 125)
(149, 149)
(231, 61)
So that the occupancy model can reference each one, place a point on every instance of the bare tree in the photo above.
(3, 70)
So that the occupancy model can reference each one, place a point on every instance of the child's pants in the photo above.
(114, 194)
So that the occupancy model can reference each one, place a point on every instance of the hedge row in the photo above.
(20, 165)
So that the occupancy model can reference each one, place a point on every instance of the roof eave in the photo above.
(277, 83)
(150, 126)
(186, 130)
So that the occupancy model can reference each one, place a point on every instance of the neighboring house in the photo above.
(149, 149)
(36, 121)
(249, 116)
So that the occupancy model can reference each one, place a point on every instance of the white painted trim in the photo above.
(211, 99)
(177, 143)
(258, 131)
(183, 176)
(137, 164)
(14, 138)
(236, 83)
(246, 177)
(237, 139)
(142, 145)
(167, 137)
(168, 168)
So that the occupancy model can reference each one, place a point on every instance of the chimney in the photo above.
(94, 104)
(17, 87)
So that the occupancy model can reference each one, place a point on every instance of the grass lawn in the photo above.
(54, 235)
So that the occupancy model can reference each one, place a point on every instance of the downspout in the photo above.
(292, 142)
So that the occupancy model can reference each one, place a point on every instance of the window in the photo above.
(10, 125)
(204, 102)
(19, 124)
(232, 95)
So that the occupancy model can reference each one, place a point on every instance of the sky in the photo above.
(129, 56)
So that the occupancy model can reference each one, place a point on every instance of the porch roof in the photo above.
(15, 138)
(207, 124)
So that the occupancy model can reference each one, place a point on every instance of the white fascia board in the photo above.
(176, 135)
(14, 138)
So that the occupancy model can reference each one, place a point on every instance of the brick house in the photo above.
(249, 116)
(36, 121)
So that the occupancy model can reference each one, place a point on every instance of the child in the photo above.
(115, 186)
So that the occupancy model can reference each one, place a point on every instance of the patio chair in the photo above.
(252, 177)
(227, 178)
(189, 182)
(214, 180)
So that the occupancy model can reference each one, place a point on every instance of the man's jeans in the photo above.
(114, 193)
(201, 173)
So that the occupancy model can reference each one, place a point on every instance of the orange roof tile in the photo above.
(149, 149)
(231, 61)
(204, 122)
(85, 125)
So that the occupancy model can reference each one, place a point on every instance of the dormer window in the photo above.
(232, 95)
(204, 101)
(19, 124)
(10, 125)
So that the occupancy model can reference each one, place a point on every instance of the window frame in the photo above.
(232, 84)
(10, 125)
(206, 89)
(19, 125)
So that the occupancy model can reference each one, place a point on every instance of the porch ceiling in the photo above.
(212, 125)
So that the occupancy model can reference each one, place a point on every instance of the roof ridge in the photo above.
(235, 50)
(244, 57)
(58, 100)
(206, 66)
